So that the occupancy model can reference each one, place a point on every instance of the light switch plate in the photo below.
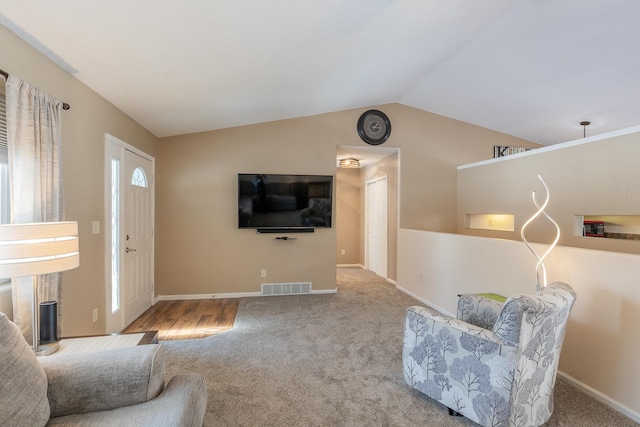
(95, 227)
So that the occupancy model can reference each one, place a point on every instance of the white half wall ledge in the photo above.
(587, 140)
(601, 341)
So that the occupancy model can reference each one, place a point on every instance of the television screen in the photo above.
(284, 201)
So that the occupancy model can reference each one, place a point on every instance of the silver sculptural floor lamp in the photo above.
(35, 249)
(541, 210)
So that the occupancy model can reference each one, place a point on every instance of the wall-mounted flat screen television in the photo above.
(278, 201)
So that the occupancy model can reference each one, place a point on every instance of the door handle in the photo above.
(129, 250)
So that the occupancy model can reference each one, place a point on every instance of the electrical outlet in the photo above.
(263, 272)
(343, 252)
(95, 227)
(95, 315)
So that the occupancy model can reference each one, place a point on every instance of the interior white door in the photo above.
(137, 231)
(376, 219)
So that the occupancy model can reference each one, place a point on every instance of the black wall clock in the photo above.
(374, 127)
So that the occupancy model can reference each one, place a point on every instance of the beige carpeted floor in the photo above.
(331, 360)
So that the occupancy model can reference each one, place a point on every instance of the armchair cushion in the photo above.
(23, 383)
(82, 383)
(480, 309)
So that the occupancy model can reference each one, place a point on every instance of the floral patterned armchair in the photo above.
(496, 363)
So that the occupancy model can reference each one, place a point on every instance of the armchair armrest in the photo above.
(182, 404)
(81, 383)
(480, 309)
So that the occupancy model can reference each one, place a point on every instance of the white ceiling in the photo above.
(531, 68)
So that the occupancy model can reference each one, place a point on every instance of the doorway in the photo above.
(353, 248)
(129, 239)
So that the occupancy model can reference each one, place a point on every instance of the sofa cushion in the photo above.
(23, 383)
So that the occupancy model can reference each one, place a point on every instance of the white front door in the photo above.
(376, 195)
(129, 213)
(137, 284)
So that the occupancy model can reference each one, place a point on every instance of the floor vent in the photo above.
(272, 289)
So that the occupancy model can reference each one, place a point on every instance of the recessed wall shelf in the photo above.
(621, 227)
(494, 222)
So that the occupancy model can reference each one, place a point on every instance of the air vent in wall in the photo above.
(272, 289)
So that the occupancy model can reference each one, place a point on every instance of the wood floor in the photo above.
(190, 319)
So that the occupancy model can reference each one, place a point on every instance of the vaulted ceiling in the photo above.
(532, 69)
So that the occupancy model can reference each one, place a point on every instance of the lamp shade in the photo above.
(33, 249)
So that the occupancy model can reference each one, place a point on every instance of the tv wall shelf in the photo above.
(275, 230)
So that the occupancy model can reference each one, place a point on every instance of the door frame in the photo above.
(115, 148)
(367, 223)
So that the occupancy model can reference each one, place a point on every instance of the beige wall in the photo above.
(595, 178)
(83, 129)
(348, 208)
(199, 247)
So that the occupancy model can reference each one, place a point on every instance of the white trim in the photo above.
(350, 266)
(554, 147)
(393, 282)
(425, 302)
(112, 139)
(205, 296)
(229, 295)
(325, 291)
(599, 396)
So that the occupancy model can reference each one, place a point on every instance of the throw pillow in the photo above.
(23, 383)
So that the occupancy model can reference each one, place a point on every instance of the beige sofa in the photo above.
(121, 387)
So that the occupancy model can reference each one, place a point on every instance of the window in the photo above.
(115, 235)
(139, 178)
(5, 210)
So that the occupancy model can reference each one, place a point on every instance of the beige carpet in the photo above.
(331, 360)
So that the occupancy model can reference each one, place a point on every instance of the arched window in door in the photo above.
(139, 178)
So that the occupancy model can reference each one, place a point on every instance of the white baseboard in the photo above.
(425, 302)
(227, 295)
(393, 282)
(590, 391)
(325, 291)
(350, 266)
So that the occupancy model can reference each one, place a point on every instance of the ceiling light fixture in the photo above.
(349, 163)
(584, 126)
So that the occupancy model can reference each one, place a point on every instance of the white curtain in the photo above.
(35, 174)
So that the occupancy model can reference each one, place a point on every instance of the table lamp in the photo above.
(34, 249)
